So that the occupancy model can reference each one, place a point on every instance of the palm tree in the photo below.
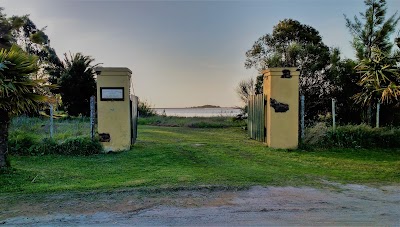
(19, 93)
(78, 84)
(380, 79)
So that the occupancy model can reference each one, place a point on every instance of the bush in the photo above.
(46, 146)
(75, 146)
(22, 143)
(80, 146)
(353, 136)
(145, 109)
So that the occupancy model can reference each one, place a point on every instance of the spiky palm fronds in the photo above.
(380, 79)
(19, 93)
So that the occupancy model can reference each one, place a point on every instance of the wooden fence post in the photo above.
(302, 113)
(333, 115)
(378, 108)
(51, 121)
(92, 113)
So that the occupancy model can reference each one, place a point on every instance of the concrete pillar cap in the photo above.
(294, 71)
(112, 69)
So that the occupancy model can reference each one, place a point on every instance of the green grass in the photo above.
(168, 157)
(192, 122)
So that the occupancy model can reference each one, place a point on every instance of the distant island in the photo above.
(205, 106)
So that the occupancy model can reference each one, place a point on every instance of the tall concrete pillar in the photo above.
(113, 108)
(281, 87)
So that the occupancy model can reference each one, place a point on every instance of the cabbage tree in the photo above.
(19, 93)
(380, 79)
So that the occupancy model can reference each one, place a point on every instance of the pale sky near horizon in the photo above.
(182, 53)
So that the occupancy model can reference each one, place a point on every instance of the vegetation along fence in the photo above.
(256, 119)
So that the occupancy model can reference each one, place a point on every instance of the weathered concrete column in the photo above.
(281, 86)
(113, 107)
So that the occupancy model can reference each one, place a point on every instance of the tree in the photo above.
(7, 27)
(344, 78)
(370, 32)
(22, 31)
(374, 32)
(77, 84)
(380, 80)
(292, 44)
(19, 93)
(397, 40)
(244, 89)
(259, 86)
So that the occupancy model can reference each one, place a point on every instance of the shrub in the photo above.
(21, 143)
(145, 109)
(80, 146)
(46, 146)
(353, 136)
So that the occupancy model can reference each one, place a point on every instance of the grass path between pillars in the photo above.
(173, 157)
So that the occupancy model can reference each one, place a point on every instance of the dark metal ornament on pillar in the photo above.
(286, 74)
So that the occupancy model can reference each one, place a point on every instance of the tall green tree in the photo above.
(21, 30)
(344, 78)
(19, 93)
(7, 28)
(77, 84)
(372, 30)
(293, 44)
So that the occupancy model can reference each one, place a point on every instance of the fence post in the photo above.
(51, 121)
(92, 111)
(302, 113)
(378, 107)
(333, 114)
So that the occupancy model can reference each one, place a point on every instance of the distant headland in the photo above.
(205, 106)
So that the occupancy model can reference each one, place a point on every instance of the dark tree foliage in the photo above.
(344, 77)
(292, 44)
(77, 84)
(22, 31)
(6, 28)
(373, 31)
(259, 84)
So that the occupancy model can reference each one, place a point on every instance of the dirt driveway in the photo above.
(346, 205)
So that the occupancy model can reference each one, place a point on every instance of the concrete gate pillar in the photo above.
(113, 107)
(281, 86)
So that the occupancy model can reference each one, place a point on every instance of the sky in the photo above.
(182, 53)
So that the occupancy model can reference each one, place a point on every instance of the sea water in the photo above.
(199, 112)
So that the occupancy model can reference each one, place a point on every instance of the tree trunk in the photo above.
(4, 123)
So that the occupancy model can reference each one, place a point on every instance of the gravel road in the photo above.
(354, 205)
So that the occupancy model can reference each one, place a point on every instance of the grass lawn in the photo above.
(192, 157)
